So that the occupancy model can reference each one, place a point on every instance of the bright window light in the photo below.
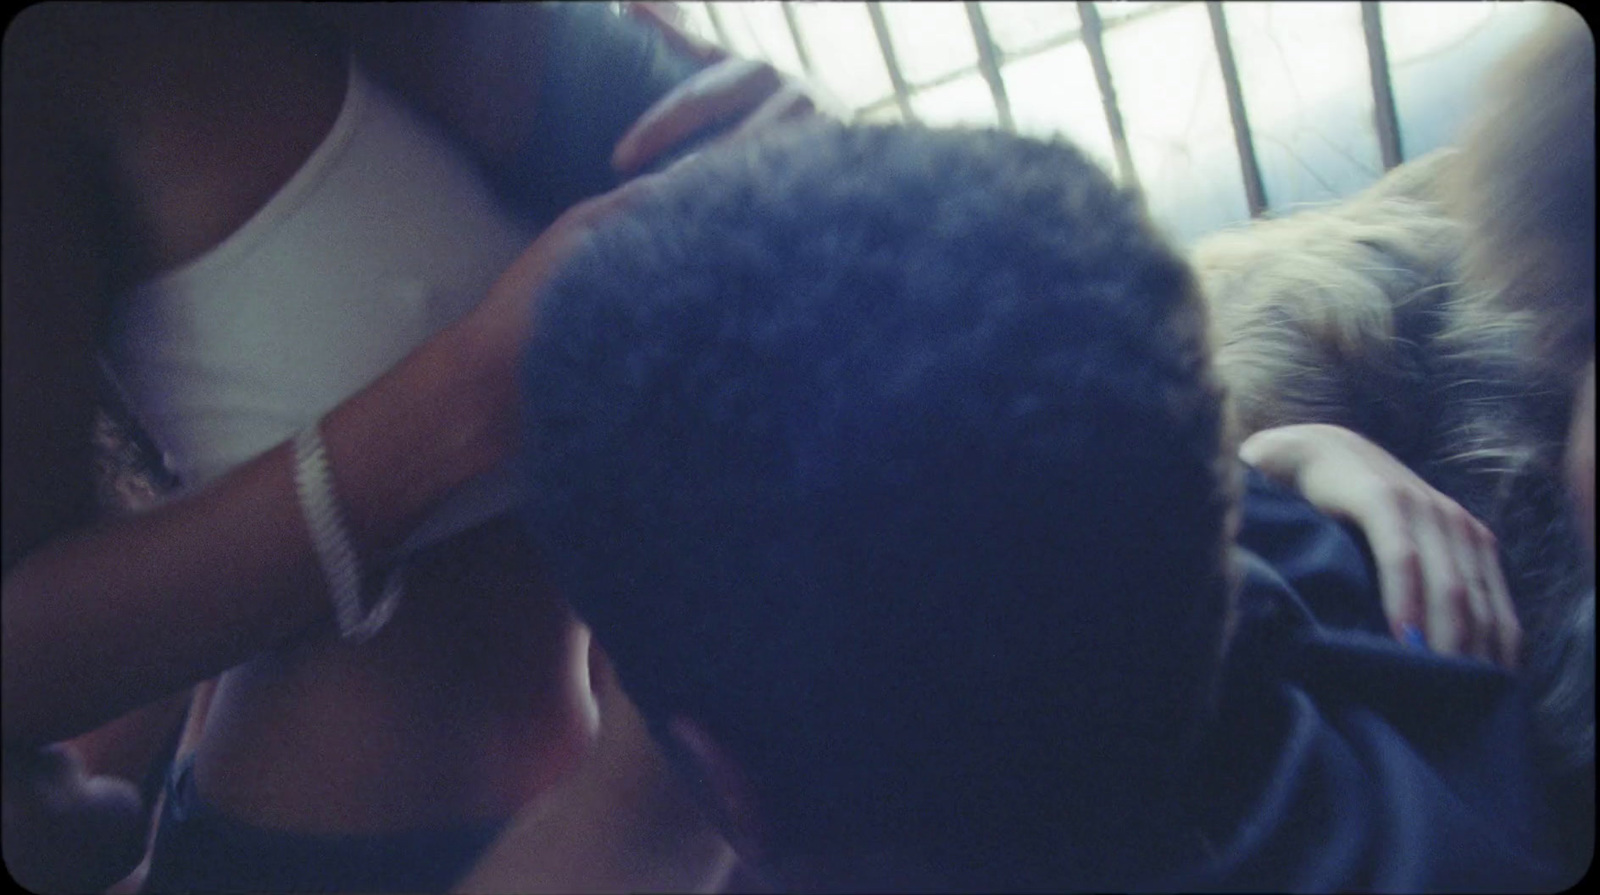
(1018, 27)
(1054, 93)
(1438, 55)
(931, 40)
(964, 101)
(760, 31)
(844, 50)
(1303, 75)
(1308, 94)
(1169, 85)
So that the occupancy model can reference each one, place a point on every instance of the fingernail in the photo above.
(1412, 635)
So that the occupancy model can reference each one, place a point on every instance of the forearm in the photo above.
(102, 621)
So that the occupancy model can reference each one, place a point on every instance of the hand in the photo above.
(727, 89)
(1438, 569)
(477, 358)
(507, 309)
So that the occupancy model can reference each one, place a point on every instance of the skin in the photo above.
(136, 139)
(1438, 572)
(624, 822)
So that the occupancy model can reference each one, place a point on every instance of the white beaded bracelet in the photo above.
(340, 566)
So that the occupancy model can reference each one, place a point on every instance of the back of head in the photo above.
(894, 458)
(1322, 315)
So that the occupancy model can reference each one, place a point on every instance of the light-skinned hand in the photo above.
(1438, 566)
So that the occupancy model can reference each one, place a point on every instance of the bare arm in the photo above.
(98, 619)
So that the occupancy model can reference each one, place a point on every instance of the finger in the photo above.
(1449, 624)
(675, 36)
(1394, 552)
(725, 91)
(1456, 530)
(1508, 629)
(1278, 453)
(601, 676)
(586, 215)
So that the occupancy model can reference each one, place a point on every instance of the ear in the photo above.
(722, 786)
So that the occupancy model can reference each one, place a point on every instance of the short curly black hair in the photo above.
(895, 458)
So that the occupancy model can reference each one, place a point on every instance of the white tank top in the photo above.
(385, 235)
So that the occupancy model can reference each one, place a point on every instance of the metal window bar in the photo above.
(1092, 32)
(989, 64)
(800, 50)
(718, 25)
(1384, 117)
(902, 91)
(1002, 57)
(992, 58)
(1254, 190)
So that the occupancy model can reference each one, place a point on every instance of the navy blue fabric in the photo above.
(200, 849)
(1343, 760)
(601, 71)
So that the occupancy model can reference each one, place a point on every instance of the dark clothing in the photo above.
(1342, 760)
(1345, 761)
(201, 849)
(601, 72)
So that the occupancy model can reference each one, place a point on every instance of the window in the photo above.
(1217, 111)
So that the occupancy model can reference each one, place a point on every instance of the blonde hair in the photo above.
(1525, 187)
(1410, 314)
(1308, 310)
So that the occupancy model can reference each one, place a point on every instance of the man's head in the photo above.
(889, 462)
